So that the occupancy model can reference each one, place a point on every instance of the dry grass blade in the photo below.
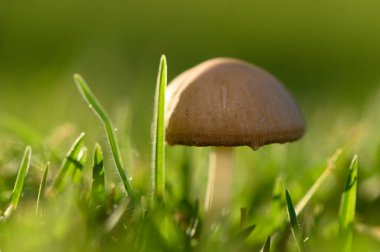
(329, 168)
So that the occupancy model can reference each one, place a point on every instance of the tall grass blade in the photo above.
(19, 184)
(266, 247)
(329, 168)
(347, 206)
(293, 222)
(110, 130)
(70, 163)
(98, 181)
(41, 190)
(158, 134)
(191, 231)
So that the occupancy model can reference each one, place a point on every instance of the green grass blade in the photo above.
(78, 170)
(329, 168)
(70, 163)
(98, 182)
(278, 199)
(17, 190)
(266, 247)
(347, 206)
(100, 112)
(278, 217)
(243, 216)
(158, 133)
(19, 184)
(238, 240)
(293, 221)
(41, 190)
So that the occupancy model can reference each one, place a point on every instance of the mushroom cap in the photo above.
(229, 102)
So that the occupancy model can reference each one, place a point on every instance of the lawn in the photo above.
(293, 196)
(83, 160)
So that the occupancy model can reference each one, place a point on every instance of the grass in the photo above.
(70, 163)
(98, 187)
(348, 206)
(110, 129)
(158, 134)
(41, 191)
(82, 206)
(266, 247)
(19, 184)
(296, 231)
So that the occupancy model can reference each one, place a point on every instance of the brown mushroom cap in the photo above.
(229, 102)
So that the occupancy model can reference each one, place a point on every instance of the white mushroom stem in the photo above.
(219, 182)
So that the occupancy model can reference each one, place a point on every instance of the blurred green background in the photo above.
(326, 52)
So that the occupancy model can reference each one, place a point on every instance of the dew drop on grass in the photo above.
(90, 106)
(116, 129)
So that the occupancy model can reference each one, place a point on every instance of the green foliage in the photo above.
(78, 171)
(158, 134)
(19, 184)
(316, 186)
(348, 206)
(266, 247)
(243, 234)
(98, 187)
(278, 203)
(41, 190)
(80, 211)
(296, 231)
(70, 164)
(110, 130)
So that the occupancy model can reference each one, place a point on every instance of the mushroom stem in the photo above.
(219, 182)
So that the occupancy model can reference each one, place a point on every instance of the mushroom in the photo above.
(225, 102)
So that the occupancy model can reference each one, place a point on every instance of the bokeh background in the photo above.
(327, 52)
